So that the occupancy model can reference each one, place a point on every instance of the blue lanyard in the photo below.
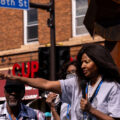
(11, 118)
(67, 115)
(96, 91)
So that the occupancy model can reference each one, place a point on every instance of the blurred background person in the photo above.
(68, 70)
(50, 101)
(13, 108)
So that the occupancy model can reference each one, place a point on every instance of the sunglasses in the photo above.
(13, 89)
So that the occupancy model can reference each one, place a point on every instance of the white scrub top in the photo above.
(107, 100)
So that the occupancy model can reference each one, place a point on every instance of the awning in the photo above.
(30, 93)
(2, 84)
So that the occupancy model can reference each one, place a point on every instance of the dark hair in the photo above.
(102, 59)
(63, 71)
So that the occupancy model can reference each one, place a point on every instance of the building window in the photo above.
(79, 8)
(30, 26)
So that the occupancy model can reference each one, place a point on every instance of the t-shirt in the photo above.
(65, 111)
(107, 100)
(26, 113)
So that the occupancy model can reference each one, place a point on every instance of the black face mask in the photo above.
(16, 89)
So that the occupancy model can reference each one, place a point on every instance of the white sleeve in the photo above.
(67, 87)
(40, 115)
(114, 102)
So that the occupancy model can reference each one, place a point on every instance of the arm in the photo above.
(49, 100)
(54, 113)
(87, 107)
(101, 115)
(39, 83)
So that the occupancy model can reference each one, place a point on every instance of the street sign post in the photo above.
(51, 23)
(17, 4)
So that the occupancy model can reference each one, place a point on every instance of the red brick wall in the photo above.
(11, 25)
(11, 28)
(12, 34)
(63, 22)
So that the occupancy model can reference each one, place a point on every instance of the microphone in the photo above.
(83, 88)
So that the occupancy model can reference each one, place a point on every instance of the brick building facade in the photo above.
(12, 29)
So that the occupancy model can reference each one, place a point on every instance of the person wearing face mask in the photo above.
(68, 70)
(71, 70)
(102, 91)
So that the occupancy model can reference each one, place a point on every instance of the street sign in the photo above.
(18, 4)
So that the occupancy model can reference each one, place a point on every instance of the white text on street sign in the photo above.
(18, 4)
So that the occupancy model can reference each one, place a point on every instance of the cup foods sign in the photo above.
(26, 70)
(18, 4)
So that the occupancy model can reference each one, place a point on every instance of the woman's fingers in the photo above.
(85, 105)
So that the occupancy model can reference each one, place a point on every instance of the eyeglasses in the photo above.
(13, 89)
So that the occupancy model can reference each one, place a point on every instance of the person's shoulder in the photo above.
(114, 86)
(34, 112)
(111, 83)
(28, 109)
(69, 80)
(69, 83)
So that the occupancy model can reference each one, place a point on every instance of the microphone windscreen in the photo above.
(83, 88)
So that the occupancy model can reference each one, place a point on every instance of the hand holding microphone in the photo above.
(84, 103)
(83, 88)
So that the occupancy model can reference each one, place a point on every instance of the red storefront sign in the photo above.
(30, 92)
(32, 67)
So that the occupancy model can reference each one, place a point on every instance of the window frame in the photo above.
(26, 25)
(74, 34)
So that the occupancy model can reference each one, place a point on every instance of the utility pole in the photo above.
(50, 7)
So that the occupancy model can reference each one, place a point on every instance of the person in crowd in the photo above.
(52, 105)
(68, 70)
(102, 90)
(13, 108)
